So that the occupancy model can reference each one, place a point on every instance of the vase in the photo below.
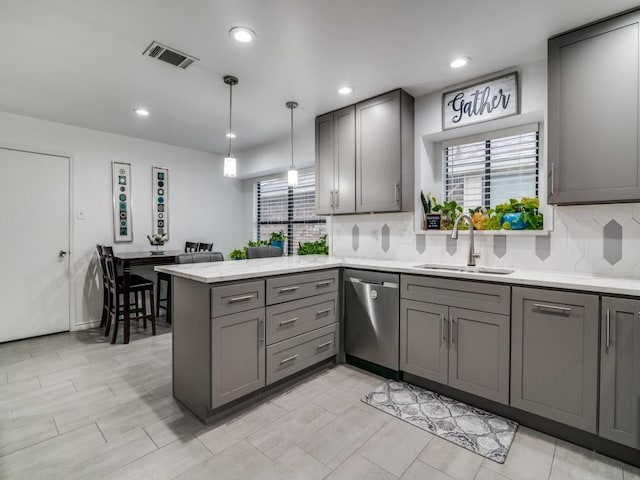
(278, 243)
(515, 220)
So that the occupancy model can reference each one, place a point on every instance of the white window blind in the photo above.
(291, 209)
(486, 170)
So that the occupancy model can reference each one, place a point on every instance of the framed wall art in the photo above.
(122, 220)
(160, 200)
(481, 101)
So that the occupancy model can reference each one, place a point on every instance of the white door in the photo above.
(34, 229)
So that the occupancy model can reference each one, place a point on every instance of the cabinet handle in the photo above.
(543, 306)
(608, 330)
(397, 191)
(337, 198)
(324, 283)
(242, 298)
(261, 330)
(291, 320)
(289, 289)
(322, 312)
(451, 339)
(289, 359)
(331, 198)
(443, 327)
(325, 344)
(553, 165)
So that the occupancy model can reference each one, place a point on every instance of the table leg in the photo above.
(126, 284)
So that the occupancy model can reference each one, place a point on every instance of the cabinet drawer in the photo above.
(289, 319)
(298, 353)
(293, 287)
(238, 297)
(471, 295)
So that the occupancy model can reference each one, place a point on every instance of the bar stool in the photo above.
(139, 286)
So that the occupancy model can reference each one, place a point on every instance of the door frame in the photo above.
(71, 270)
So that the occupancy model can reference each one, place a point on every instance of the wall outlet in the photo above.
(81, 214)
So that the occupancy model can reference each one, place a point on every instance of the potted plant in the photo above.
(520, 215)
(319, 247)
(449, 211)
(431, 220)
(277, 239)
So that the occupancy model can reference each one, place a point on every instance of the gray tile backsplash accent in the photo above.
(421, 243)
(500, 245)
(355, 238)
(452, 245)
(386, 241)
(543, 247)
(612, 245)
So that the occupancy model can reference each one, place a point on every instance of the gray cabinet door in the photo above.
(378, 154)
(237, 355)
(554, 355)
(344, 137)
(594, 113)
(620, 371)
(423, 340)
(479, 353)
(324, 164)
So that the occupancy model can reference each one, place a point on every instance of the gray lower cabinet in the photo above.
(237, 355)
(466, 349)
(594, 113)
(554, 355)
(620, 371)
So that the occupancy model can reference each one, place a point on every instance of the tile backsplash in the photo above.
(601, 239)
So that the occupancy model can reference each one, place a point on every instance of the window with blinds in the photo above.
(486, 170)
(290, 209)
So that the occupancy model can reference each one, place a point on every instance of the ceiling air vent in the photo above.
(169, 55)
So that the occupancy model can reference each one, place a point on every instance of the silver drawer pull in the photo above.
(287, 322)
(608, 330)
(289, 289)
(552, 307)
(322, 312)
(325, 344)
(288, 359)
(325, 283)
(242, 298)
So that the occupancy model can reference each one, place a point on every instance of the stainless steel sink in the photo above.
(465, 268)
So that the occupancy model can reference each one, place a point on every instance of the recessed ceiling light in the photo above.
(242, 34)
(346, 90)
(143, 112)
(459, 62)
(231, 135)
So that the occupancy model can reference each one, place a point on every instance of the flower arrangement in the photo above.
(157, 238)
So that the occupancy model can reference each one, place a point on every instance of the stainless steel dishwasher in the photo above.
(371, 320)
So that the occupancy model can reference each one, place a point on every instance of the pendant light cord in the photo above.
(292, 167)
(230, 110)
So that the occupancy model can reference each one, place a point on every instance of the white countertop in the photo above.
(263, 267)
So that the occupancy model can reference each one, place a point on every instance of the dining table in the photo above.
(127, 260)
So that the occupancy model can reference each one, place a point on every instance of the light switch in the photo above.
(82, 214)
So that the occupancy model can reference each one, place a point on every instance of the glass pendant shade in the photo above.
(292, 177)
(230, 167)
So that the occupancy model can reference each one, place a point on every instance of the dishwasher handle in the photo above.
(374, 284)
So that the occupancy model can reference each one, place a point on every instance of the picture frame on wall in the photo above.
(160, 200)
(122, 211)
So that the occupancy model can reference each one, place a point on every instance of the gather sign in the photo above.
(480, 102)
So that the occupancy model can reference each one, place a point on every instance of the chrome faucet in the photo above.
(472, 252)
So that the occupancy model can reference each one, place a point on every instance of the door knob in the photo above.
(62, 253)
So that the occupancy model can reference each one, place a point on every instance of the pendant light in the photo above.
(230, 160)
(292, 174)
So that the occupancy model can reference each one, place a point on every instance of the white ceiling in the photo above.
(80, 61)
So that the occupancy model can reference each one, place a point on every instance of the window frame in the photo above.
(289, 221)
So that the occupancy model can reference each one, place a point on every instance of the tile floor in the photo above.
(72, 406)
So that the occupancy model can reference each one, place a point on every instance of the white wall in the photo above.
(204, 206)
(577, 242)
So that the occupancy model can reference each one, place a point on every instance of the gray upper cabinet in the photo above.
(620, 371)
(385, 153)
(554, 355)
(594, 113)
(335, 162)
(237, 355)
